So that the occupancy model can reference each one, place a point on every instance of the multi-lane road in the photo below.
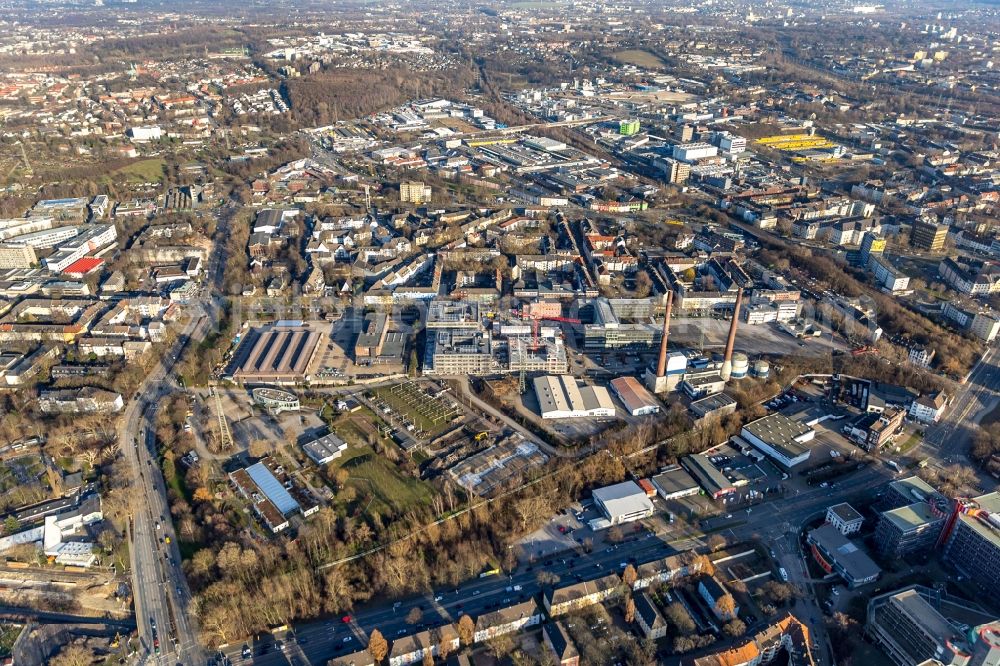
(166, 632)
(952, 435)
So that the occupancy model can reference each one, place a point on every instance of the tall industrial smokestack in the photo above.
(661, 365)
(727, 360)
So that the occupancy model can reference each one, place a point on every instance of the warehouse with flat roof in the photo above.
(674, 482)
(623, 502)
(278, 354)
(325, 449)
(708, 476)
(783, 439)
(560, 397)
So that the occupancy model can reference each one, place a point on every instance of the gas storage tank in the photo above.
(761, 368)
(741, 365)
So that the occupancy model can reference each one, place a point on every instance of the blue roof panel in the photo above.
(271, 487)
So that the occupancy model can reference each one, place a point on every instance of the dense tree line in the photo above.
(244, 584)
(956, 353)
(343, 94)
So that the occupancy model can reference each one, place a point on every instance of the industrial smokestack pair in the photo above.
(727, 359)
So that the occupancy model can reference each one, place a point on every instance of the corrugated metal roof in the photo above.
(271, 487)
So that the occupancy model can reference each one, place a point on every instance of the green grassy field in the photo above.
(376, 479)
(639, 58)
(143, 171)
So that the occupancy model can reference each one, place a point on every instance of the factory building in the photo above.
(277, 354)
(674, 482)
(691, 152)
(608, 331)
(708, 476)
(712, 407)
(560, 397)
(637, 400)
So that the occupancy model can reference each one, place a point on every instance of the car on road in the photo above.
(348, 639)
(346, 619)
(246, 652)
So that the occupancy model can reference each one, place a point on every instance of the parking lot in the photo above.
(711, 333)
(570, 529)
(335, 359)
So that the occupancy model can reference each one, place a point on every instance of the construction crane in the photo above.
(535, 323)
